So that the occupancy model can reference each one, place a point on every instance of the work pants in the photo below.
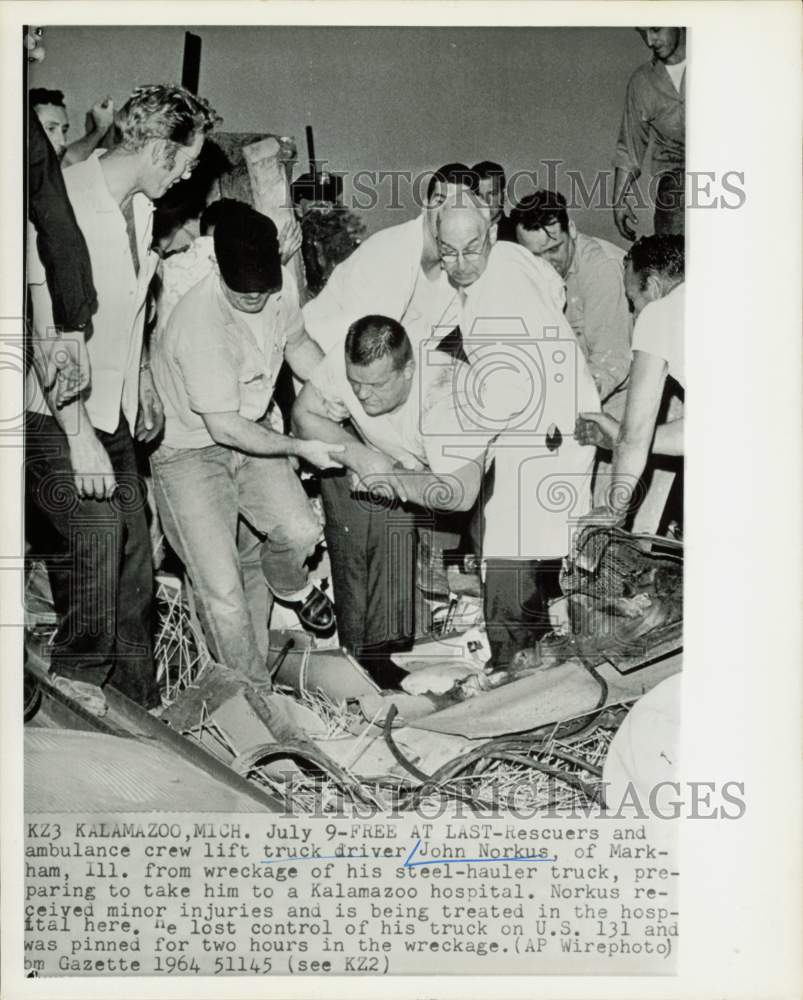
(101, 572)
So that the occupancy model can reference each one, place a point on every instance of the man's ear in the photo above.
(654, 287)
(493, 232)
(158, 149)
(409, 371)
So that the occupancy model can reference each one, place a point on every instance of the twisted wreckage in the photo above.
(450, 726)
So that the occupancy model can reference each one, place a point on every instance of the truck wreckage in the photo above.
(326, 735)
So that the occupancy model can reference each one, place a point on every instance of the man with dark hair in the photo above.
(402, 411)
(51, 112)
(80, 464)
(654, 279)
(221, 471)
(491, 183)
(654, 117)
(591, 268)
(455, 174)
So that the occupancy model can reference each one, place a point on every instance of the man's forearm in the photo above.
(82, 148)
(313, 427)
(251, 438)
(629, 460)
(622, 182)
(669, 438)
(433, 492)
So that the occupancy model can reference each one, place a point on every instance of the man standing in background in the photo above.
(51, 112)
(654, 113)
(592, 270)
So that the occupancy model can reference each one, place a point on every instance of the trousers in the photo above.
(372, 549)
(99, 563)
(202, 495)
(516, 604)
(670, 204)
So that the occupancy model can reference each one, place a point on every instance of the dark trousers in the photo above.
(516, 598)
(372, 549)
(100, 565)
(670, 204)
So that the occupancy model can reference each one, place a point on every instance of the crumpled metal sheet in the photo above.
(331, 671)
(75, 771)
(545, 697)
(368, 755)
(549, 695)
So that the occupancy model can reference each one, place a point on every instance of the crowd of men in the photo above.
(463, 377)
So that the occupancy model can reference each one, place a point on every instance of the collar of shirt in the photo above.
(95, 180)
(663, 81)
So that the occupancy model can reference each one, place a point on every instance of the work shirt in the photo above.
(382, 277)
(653, 109)
(179, 273)
(659, 331)
(213, 358)
(426, 430)
(115, 347)
(598, 311)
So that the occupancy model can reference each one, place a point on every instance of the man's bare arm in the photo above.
(100, 119)
(311, 421)
(456, 491)
(233, 431)
(647, 378)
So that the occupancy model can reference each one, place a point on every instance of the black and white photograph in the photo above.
(357, 631)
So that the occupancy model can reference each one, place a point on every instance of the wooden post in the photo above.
(191, 65)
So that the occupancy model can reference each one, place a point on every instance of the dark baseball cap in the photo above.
(247, 250)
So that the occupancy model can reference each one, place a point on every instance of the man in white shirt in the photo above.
(221, 470)
(529, 382)
(407, 442)
(654, 279)
(80, 465)
(512, 329)
(396, 272)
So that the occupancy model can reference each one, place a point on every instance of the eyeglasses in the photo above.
(190, 165)
(449, 255)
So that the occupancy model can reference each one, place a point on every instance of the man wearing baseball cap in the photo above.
(228, 497)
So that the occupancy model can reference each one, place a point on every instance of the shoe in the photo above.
(316, 613)
(89, 696)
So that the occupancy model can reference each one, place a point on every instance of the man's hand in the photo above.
(92, 468)
(625, 220)
(335, 410)
(100, 116)
(597, 429)
(377, 473)
(64, 366)
(151, 417)
(319, 453)
(290, 239)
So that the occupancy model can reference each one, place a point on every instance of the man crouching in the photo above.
(221, 466)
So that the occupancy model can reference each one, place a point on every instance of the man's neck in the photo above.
(430, 258)
(677, 56)
(121, 173)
